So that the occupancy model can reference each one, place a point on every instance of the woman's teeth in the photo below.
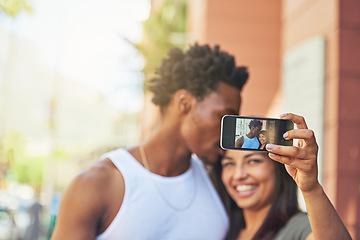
(245, 188)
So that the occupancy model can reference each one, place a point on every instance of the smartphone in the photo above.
(253, 133)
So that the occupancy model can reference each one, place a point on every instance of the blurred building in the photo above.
(51, 112)
(303, 57)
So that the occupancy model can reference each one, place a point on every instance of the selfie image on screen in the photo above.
(256, 133)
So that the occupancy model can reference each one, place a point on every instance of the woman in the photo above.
(263, 138)
(263, 192)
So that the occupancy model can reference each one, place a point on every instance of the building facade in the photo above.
(303, 57)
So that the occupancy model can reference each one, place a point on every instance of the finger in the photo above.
(298, 120)
(287, 151)
(305, 134)
(294, 164)
(282, 159)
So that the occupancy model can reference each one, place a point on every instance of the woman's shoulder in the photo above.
(297, 228)
(299, 217)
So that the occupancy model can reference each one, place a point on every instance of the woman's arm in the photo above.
(324, 220)
(301, 163)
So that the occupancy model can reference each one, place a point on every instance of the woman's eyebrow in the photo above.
(251, 154)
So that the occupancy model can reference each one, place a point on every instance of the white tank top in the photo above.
(146, 214)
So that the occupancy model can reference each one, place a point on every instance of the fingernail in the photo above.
(270, 146)
(272, 154)
(285, 135)
(283, 115)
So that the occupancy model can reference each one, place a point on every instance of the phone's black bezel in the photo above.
(231, 121)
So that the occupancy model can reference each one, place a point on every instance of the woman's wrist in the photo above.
(316, 190)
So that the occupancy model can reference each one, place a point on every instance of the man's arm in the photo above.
(239, 142)
(83, 205)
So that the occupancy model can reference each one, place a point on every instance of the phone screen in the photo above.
(253, 133)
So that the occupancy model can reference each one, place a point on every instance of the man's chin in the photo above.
(209, 161)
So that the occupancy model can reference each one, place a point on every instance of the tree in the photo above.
(14, 7)
(26, 168)
(164, 29)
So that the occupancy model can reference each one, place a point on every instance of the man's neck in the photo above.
(167, 154)
(250, 135)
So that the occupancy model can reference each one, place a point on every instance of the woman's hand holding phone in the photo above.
(301, 163)
(301, 160)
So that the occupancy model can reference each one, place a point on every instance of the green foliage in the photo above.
(29, 170)
(163, 30)
(61, 155)
(14, 7)
(12, 147)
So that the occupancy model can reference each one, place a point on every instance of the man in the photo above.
(158, 190)
(250, 140)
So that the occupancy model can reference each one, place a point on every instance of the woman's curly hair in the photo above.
(198, 71)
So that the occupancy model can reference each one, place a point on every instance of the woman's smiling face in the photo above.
(249, 178)
(262, 138)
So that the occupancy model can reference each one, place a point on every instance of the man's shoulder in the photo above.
(87, 199)
(102, 172)
(239, 142)
(241, 138)
(92, 181)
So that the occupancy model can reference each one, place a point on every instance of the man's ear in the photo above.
(183, 100)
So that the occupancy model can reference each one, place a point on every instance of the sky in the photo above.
(87, 42)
